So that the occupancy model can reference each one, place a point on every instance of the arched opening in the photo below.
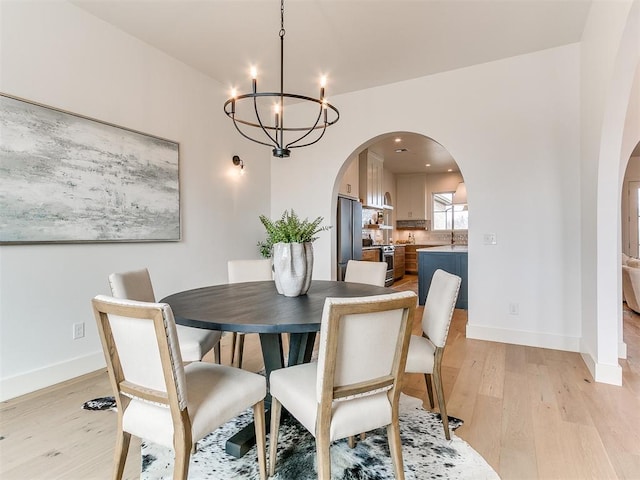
(620, 134)
(410, 190)
(629, 340)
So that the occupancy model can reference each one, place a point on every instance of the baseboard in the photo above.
(28, 382)
(611, 374)
(519, 337)
(602, 373)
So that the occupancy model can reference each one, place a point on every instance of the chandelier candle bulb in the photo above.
(254, 79)
(233, 102)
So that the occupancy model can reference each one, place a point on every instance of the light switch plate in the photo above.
(490, 239)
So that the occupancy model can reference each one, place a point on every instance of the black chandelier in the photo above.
(251, 105)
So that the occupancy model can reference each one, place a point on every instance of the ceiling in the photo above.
(358, 44)
(413, 153)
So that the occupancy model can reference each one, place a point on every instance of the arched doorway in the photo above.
(415, 201)
(612, 162)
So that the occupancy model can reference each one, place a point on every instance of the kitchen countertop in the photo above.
(445, 249)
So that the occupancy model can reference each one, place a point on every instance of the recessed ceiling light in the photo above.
(401, 150)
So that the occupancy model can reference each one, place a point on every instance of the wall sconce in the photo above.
(237, 161)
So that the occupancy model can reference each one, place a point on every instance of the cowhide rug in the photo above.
(426, 452)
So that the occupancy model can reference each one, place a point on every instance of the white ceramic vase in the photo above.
(292, 266)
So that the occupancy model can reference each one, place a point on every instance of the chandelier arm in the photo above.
(247, 136)
(324, 129)
(309, 131)
(255, 107)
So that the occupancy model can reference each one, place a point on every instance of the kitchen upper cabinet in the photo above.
(350, 180)
(411, 195)
(371, 173)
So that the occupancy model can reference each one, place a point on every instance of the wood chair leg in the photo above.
(395, 448)
(440, 394)
(273, 436)
(258, 418)
(181, 466)
(352, 439)
(122, 448)
(427, 381)
(323, 457)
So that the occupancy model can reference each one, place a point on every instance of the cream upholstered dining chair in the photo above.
(425, 352)
(246, 271)
(355, 384)
(159, 398)
(194, 342)
(372, 273)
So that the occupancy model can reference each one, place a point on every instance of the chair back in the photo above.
(132, 285)
(371, 273)
(249, 270)
(363, 345)
(439, 306)
(140, 345)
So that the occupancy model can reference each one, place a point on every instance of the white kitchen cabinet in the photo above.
(350, 180)
(411, 195)
(371, 175)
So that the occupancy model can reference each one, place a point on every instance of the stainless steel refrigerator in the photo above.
(349, 233)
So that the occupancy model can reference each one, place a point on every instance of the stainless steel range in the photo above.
(387, 256)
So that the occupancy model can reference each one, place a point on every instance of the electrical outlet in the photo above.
(514, 309)
(78, 330)
(490, 239)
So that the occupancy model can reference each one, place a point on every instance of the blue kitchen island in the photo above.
(450, 258)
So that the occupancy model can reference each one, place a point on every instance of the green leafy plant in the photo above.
(289, 229)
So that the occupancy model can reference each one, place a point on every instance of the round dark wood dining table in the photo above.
(256, 307)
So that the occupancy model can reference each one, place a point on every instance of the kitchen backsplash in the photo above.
(381, 236)
(426, 237)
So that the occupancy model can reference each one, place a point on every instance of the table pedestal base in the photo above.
(300, 351)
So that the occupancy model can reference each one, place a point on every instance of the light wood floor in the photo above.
(532, 413)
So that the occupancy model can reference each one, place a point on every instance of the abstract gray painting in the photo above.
(68, 178)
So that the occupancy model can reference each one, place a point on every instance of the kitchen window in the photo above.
(446, 215)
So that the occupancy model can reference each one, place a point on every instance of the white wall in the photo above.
(58, 55)
(513, 128)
